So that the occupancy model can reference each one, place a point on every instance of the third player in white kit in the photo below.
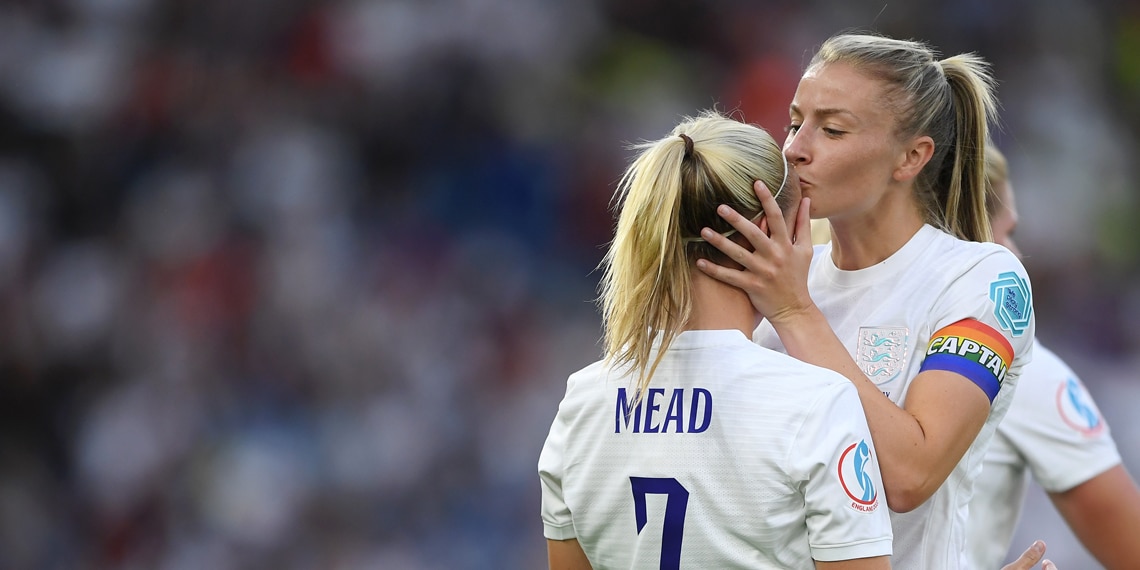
(1054, 432)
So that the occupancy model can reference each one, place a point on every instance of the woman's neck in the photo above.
(861, 241)
(717, 306)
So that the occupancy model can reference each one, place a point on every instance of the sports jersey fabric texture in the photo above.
(738, 457)
(1054, 431)
(957, 300)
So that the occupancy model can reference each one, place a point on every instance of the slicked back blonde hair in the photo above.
(951, 100)
(664, 199)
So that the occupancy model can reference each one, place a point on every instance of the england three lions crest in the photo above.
(881, 352)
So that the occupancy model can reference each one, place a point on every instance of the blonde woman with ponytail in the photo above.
(1054, 432)
(932, 326)
(688, 445)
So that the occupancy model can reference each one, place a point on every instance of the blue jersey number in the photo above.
(676, 501)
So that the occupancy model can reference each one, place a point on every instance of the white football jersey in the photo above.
(737, 457)
(1053, 430)
(937, 303)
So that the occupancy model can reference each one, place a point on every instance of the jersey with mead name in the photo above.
(937, 303)
(736, 457)
(1053, 430)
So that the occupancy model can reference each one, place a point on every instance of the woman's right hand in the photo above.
(775, 271)
(1031, 556)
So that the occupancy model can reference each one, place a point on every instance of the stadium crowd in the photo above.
(297, 283)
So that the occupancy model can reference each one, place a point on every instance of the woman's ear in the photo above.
(914, 158)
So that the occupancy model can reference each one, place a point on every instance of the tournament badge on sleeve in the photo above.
(881, 352)
(855, 467)
(1077, 408)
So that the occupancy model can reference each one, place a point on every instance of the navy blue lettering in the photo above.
(650, 407)
(628, 418)
(706, 419)
(675, 415)
(623, 413)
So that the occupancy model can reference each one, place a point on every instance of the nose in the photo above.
(796, 148)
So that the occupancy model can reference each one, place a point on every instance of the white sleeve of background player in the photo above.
(556, 521)
(1055, 424)
(834, 461)
(996, 292)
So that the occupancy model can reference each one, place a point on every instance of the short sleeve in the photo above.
(834, 460)
(1056, 426)
(984, 323)
(556, 520)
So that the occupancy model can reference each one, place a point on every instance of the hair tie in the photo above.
(688, 144)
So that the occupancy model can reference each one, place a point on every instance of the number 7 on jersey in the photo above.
(676, 501)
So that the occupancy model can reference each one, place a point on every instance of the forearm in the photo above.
(898, 437)
(918, 446)
(1104, 513)
(875, 563)
(566, 555)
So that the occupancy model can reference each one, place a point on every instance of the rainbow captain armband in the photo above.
(974, 350)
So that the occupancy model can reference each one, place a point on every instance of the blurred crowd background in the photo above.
(297, 283)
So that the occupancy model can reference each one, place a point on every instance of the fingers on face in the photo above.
(803, 222)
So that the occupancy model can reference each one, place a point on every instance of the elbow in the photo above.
(904, 497)
(904, 502)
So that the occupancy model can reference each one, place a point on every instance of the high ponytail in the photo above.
(974, 109)
(669, 192)
(643, 287)
(952, 101)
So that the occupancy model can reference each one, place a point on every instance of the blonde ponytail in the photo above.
(974, 106)
(669, 192)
